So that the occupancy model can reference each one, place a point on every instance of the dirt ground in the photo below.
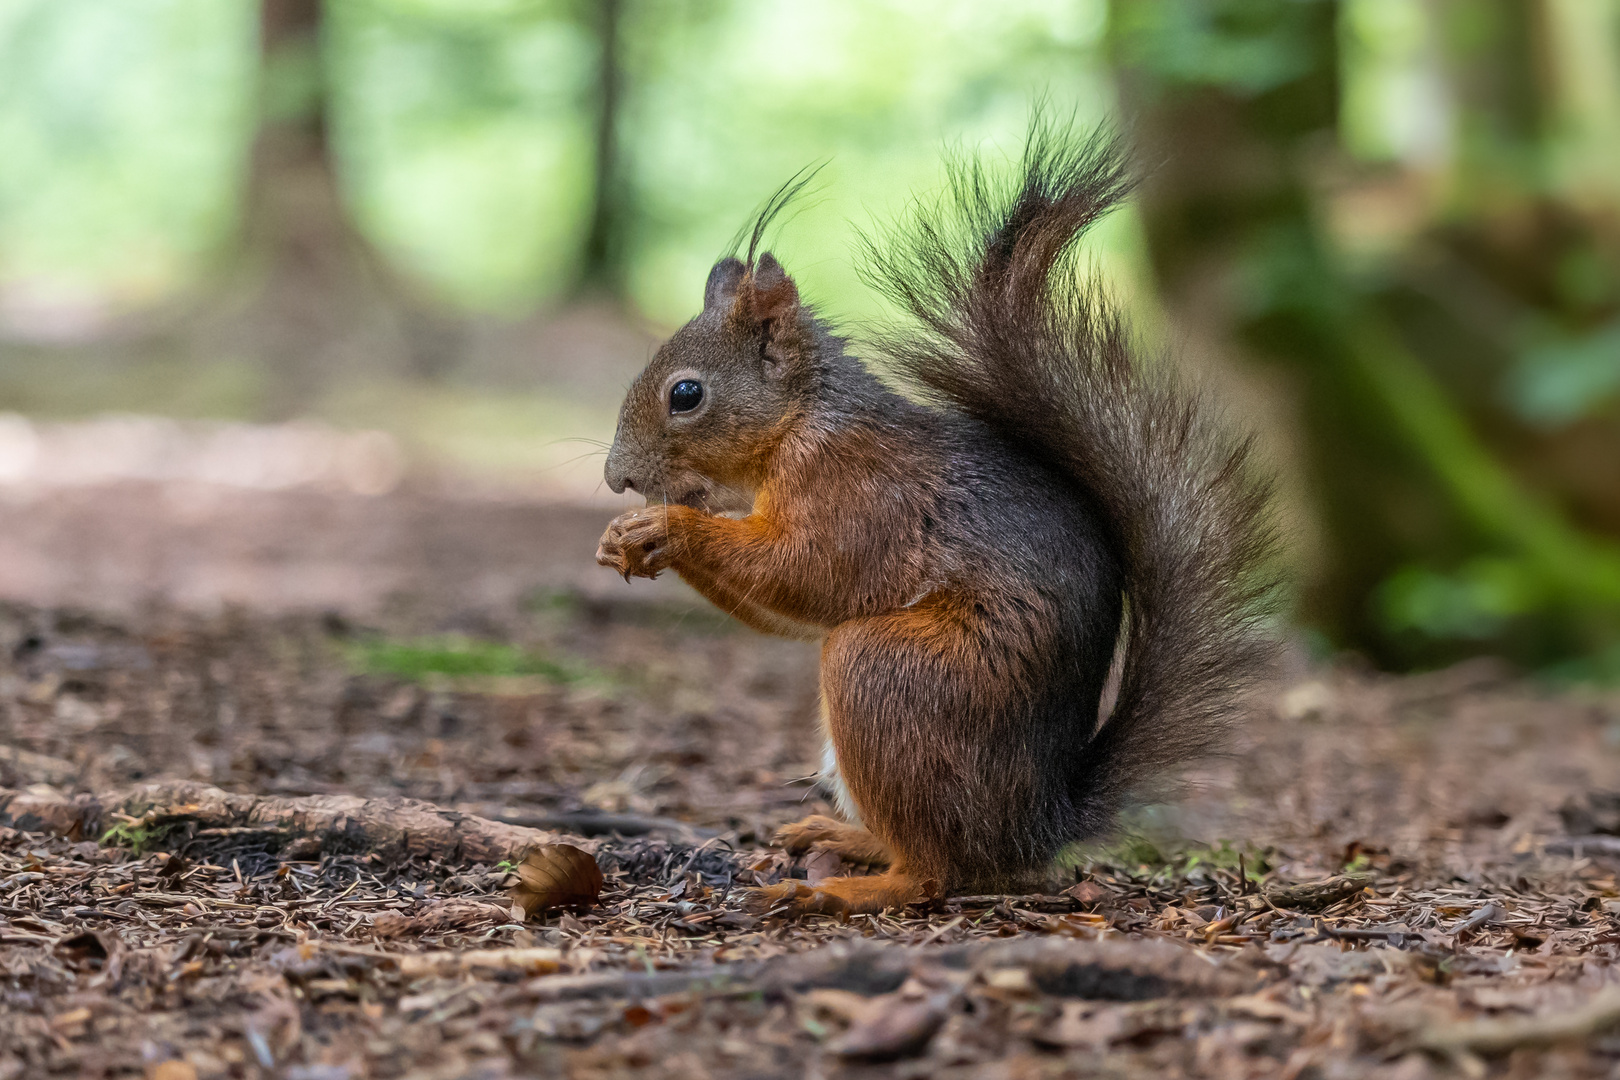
(1393, 877)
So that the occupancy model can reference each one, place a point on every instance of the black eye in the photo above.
(685, 396)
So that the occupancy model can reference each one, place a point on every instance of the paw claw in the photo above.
(636, 543)
(765, 900)
(842, 897)
(792, 900)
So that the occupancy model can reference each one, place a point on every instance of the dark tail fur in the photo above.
(1017, 334)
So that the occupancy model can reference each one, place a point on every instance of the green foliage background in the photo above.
(1393, 224)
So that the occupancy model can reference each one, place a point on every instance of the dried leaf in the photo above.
(172, 1070)
(821, 865)
(897, 1027)
(74, 1018)
(557, 876)
(847, 1005)
(88, 951)
(1084, 1023)
(1089, 892)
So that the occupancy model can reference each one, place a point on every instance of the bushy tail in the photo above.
(1016, 333)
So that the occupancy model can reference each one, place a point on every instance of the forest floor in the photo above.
(1465, 824)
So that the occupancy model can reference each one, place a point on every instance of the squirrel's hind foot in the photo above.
(842, 896)
(818, 832)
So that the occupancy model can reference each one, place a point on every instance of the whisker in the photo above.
(570, 461)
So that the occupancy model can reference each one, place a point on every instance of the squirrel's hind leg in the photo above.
(842, 896)
(819, 832)
(950, 738)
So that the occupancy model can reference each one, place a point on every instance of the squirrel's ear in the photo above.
(775, 295)
(721, 290)
(775, 310)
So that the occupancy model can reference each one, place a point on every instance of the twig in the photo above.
(393, 827)
(636, 985)
(599, 823)
(1486, 915)
(1352, 933)
(1585, 845)
(1498, 1036)
(1316, 895)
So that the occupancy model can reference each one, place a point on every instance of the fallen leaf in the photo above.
(821, 865)
(1262, 1007)
(897, 1027)
(847, 1005)
(1010, 980)
(88, 951)
(1084, 1023)
(557, 876)
(74, 1018)
(1089, 892)
(171, 1070)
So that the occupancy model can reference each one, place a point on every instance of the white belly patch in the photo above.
(832, 780)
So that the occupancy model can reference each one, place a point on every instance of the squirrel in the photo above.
(972, 554)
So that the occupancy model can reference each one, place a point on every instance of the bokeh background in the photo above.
(405, 254)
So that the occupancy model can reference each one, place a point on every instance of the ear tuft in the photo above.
(776, 298)
(720, 292)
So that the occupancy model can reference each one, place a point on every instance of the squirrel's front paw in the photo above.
(636, 544)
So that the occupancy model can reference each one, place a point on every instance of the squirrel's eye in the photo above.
(685, 396)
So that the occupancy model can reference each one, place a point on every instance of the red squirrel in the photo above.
(971, 554)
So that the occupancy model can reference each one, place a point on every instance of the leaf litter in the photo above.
(1390, 877)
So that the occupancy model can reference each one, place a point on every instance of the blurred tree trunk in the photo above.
(602, 269)
(1235, 105)
(310, 302)
(301, 258)
(1232, 237)
(1579, 67)
(1516, 290)
(1531, 249)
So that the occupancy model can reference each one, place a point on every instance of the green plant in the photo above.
(136, 835)
(455, 656)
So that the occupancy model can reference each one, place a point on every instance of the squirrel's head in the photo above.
(700, 423)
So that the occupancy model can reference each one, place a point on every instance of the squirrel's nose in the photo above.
(616, 470)
(618, 478)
